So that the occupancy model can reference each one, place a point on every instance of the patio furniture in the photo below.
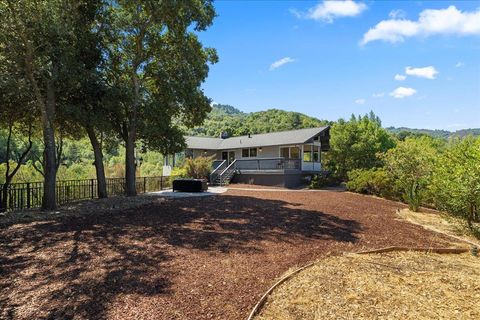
(190, 185)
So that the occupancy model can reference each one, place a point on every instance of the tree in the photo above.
(356, 144)
(157, 63)
(37, 38)
(17, 119)
(410, 164)
(456, 180)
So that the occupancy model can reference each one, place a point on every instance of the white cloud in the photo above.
(281, 62)
(397, 14)
(459, 64)
(360, 101)
(402, 92)
(400, 77)
(430, 22)
(327, 10)
(426, 72)
(378, 95)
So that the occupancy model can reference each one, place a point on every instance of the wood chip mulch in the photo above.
(196, 258)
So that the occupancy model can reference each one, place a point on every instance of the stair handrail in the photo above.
(227, 170)
(212, 174)
(231, 164)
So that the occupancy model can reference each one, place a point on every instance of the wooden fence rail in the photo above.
(29, 195)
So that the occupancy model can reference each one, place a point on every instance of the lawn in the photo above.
(195, 258)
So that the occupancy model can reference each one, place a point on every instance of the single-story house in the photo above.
(283, 158)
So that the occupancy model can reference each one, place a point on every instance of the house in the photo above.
(283, 158)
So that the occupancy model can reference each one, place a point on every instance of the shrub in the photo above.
(198, 168)
(456, 180)
(374, 181)
(323, 179)
(410, 165)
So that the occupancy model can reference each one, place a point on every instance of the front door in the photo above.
(229, 156)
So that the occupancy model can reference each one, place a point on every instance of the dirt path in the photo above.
(198, 258)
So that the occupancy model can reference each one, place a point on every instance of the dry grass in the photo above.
(407, 285)
(440, 222)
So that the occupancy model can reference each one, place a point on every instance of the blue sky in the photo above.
(320, 58)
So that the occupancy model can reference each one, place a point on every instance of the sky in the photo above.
(415, 64)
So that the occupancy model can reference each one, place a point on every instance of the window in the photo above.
(251, 152)
(316, 157)
(307, 153)
(285, 153)
(295, 153)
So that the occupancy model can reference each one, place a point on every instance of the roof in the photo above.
(298, 136)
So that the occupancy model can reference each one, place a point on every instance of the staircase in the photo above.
(223, 177)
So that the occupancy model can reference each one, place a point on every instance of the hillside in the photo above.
(235, 122)
(444, 134)
(229, 119)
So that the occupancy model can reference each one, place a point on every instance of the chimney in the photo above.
(224, 135)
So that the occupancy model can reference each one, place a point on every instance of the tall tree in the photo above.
(38, 38)
(17, 119)
(157, 64)
(355, 144)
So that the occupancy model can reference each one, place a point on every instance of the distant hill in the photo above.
(444, 134)
(225, 118)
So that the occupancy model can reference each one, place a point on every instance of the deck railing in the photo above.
(30, 194)
(268, 164)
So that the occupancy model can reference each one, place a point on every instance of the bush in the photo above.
(374, 181)
(198, 168)
(323, 179)
(410, 165)
(456, 180)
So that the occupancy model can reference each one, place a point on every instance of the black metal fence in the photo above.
(29, 195)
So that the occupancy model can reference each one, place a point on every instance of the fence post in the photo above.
(161, 183)
(144, 184)
(91, 187)
(28, 195)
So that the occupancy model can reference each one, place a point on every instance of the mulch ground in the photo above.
(196, 258)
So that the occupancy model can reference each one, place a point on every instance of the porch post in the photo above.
(301, 159)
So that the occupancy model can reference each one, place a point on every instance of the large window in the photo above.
(249, 153)
(294, 153)
(307, 153)
(290, 152)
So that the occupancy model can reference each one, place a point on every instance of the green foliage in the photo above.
(456, 179)
(374, 181)
(356, 144)
(198, 168)
(410, 165)
(322, 180)
(225, 118)
(403, 132)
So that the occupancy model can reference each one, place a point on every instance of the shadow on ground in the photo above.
(74, 267)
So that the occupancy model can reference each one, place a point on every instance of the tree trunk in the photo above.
(99, 168)
(47, 111)
(9, 175)
(131, 137)
(50, 174)
(130, 174)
